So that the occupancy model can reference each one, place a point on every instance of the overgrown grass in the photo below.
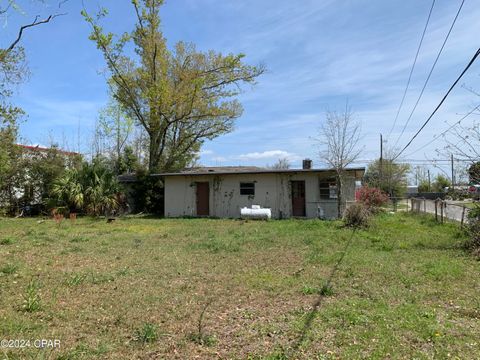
(138, 288)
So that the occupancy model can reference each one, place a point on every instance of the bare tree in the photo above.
(281, 164)
(339, 138)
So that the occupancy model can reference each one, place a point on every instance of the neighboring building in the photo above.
(222, 191)
(30, 150)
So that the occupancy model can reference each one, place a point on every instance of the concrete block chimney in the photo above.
(307, 164)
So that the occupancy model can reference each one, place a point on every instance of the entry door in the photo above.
(298, 198)
(203, 192)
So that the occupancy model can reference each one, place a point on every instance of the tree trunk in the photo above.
(154, 159)
(339, 195)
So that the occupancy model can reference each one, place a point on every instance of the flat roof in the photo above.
(234, 170)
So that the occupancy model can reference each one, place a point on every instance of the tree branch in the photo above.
(35, 22)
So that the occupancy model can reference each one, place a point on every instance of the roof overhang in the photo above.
(358, 172)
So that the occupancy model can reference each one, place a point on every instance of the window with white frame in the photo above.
(328, 189)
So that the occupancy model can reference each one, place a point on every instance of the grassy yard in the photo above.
(197, 288)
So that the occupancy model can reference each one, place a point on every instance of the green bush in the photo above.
(473, 244)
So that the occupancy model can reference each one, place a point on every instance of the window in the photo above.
(247, 188)
(328, 189)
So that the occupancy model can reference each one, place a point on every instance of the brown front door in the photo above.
(203, 191)
(298, 198)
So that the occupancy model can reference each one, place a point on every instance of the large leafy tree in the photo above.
(181, 96)
(388, 175)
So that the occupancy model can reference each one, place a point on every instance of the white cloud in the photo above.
(206, 152)
(269, 154)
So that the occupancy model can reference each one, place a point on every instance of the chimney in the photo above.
(306, 164)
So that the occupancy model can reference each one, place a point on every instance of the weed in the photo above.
(8, 269)
(326, 290)
(309, 290)
(200, 337)
(75, 279)
(31, 299)
(146, 334)
(6, 241)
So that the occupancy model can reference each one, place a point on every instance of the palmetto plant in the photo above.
(93, 188)
(68, 189)
(100, 188)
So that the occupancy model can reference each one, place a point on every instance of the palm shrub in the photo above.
(68, 190)
(101, 188)
(94, 188)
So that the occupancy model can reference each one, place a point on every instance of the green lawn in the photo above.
(139, 287)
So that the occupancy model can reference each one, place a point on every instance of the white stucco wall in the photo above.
(272, 190)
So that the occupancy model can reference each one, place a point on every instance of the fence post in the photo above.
(441, 212)
(425, 205)
(463, 216)
(436, 210)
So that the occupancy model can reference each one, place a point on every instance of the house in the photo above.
(223, 191)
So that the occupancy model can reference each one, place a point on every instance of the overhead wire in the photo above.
(475, 56)
(429, 74)
(411, 70)
(446, 131)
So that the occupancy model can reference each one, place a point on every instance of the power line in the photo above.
(446, 131)
(430, 74)
(477, 53)
(411, 70)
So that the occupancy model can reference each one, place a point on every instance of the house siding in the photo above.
(272, 190)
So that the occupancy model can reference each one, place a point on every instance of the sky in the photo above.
(320, 54)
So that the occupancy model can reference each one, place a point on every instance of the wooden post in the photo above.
(436, 210)
(441, 212)
(425, 205)
(463, 216)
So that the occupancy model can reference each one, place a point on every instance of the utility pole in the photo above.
(381, 159)
(453, 175)
(429, 184)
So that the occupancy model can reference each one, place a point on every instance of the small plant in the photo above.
(31, 302)
(326, 290)
(309, 290)
(146, 334)
(200, 337)
(76, 279)
(8, 269)
(6, 241)
(356, 215)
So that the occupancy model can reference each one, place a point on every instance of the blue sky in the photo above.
(319, 54)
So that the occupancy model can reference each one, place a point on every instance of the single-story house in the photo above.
(223, 191)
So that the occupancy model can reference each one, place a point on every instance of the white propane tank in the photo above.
(256, 212)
